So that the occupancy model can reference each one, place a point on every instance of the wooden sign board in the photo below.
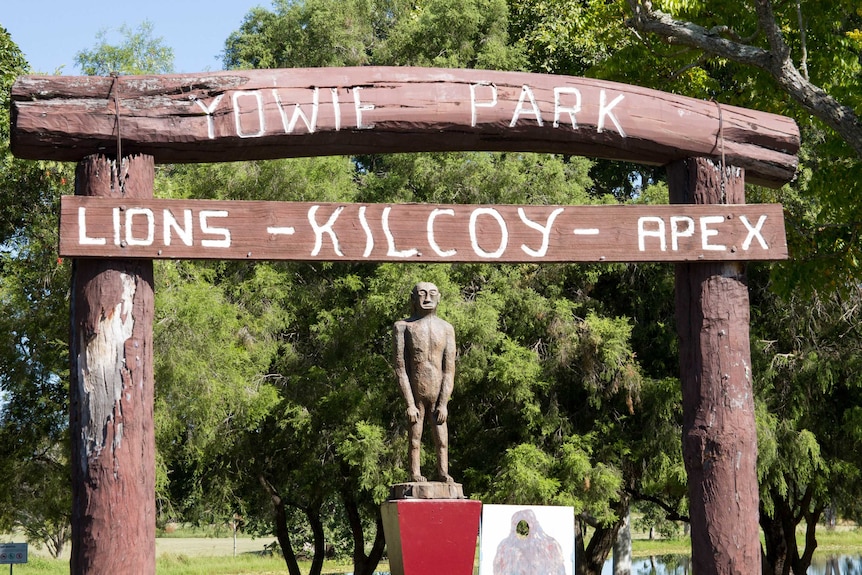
(256, 230)
(262, 114)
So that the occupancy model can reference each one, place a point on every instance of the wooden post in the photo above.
(111, 404)
(719, 433)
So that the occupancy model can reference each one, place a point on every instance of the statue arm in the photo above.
(401, 371)
(448, 372)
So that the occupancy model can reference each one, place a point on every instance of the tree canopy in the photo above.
(34, 457)
(137, 53)
(275, 394)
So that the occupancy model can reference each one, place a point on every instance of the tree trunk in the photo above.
(379, 544)
(234, 525)
(781, 550)
(719, 432)
(590, 558)
(57, 541)
(623, 547)
(111, 392)
(282, 532)
(313, 515)
(775, 548)
(363, 564)
(811, 520)
(593, 557)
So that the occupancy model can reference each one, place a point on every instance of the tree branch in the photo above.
(689, 34)
(775, 61)
(803, 40)
(671, 514)
(766, 20)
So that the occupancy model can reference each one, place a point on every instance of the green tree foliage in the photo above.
(549, 383)
(446, 33)
(791, 58)
(262, 450)
(12, 64)
(275, 395)
(326, 452)
(27, 187)
(334, 441)
(222, 352)
(34, 288)
(310, 33)
(42, 504)
(808, 361)
(138, 52)
(289, 404)
(567, 36)
(33, 330)
(452, 34)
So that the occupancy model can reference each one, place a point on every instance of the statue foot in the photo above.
(418, 478)
(446, 478)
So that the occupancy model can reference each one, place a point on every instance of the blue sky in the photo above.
(51, 32)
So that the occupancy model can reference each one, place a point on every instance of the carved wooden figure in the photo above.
(425, 367)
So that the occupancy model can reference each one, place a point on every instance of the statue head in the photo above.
(424, 299)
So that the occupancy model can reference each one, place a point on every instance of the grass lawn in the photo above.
(843, 540)
(179, 555)
(180, 564)
(188, 552)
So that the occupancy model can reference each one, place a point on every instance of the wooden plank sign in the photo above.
(257, 230)
(262, 114)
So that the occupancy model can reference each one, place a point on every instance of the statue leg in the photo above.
(416, 445)
(441, 442)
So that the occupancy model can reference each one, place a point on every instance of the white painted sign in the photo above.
(201, 229)
(304, 111)
(517, 539)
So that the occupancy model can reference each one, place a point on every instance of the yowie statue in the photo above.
(424, 348)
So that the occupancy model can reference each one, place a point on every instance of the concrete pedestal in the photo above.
(426, 490)
(431, 536)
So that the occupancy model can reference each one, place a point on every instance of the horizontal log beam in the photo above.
(302, 231)
(264, 114)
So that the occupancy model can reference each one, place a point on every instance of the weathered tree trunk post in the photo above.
(719, 432)
(111, 403)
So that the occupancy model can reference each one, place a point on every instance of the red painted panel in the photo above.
(435, 535)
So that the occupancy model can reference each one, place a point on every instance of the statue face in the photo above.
(426, 296)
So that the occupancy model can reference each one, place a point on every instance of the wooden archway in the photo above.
(708, 148)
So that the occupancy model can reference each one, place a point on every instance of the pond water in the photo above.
(681, 565)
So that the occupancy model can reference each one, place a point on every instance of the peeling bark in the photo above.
(719, 432)
(111, 403)
(101, 358)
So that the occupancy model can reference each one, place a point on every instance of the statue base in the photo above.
(431, 536)
(426, 490)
